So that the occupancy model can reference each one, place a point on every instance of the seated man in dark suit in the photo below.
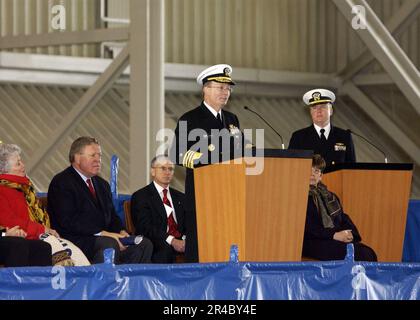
(158, 212)
(81, 208)
(334, 144)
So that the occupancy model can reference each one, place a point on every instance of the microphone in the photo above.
(250, 110)
(360, 136)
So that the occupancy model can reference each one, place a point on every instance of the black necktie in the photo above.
(219, 118)
(323, 138)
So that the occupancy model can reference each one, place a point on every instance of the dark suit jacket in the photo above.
(149, 214)
(202, 118)
(314, 229)
(332, 150)
(74, 212)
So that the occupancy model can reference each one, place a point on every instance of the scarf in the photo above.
(36, 212)
(327, 204)
(64, 252)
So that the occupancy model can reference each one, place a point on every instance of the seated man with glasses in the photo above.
(158, 212)
(81, 209)
(334, 144)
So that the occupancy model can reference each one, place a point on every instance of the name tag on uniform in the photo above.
(340, 147)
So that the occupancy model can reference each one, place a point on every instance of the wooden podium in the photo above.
(263, 214)
(376, 196)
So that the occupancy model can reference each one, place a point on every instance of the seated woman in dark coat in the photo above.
(328, 229)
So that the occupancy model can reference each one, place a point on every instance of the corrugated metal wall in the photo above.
(297, 35)
(118, 9)
(27, 17)
(30, 113)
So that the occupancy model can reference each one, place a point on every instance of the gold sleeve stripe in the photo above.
(187, 157)
(188, 160)
(184, 159)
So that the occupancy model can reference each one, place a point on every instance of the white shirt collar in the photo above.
(327, 129)
(168, 209)
(81, 175)
(214, 112)
(159, 188)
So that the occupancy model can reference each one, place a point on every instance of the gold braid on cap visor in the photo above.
(319, 101)
(220, 79)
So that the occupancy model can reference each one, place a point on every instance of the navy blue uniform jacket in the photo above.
(338, 148)
(202, 118)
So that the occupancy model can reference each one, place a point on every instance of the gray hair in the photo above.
(6, 152)
(157, 158)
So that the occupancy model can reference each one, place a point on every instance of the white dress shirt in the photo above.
(167, 208)
(327, 130)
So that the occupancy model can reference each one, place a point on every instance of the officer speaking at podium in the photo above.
(205, 135)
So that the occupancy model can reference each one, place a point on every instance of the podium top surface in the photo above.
(369, 166)
(282, 153)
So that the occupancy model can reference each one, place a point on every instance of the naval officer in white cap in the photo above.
(335, 145)
(216, 85)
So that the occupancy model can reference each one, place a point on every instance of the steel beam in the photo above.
(399, 22)
(386, 50)
(82, 107)
(82, 71)
(377, 115)
(374, 79)
(147, 112)
(63, 38)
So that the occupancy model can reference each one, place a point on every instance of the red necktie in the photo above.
(92, 191)
(173, 227)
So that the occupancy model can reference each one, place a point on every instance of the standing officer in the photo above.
(205, 135)
(335, 145)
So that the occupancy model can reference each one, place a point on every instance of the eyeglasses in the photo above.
(316, 171)
(221, 88)
(92, 155)
(165, 169)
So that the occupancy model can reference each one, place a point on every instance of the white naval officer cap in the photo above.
(317, 96)
(218, 73)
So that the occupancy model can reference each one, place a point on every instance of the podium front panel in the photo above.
(276, 210)
(263, 214)
(220, 210)
(377, 202)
